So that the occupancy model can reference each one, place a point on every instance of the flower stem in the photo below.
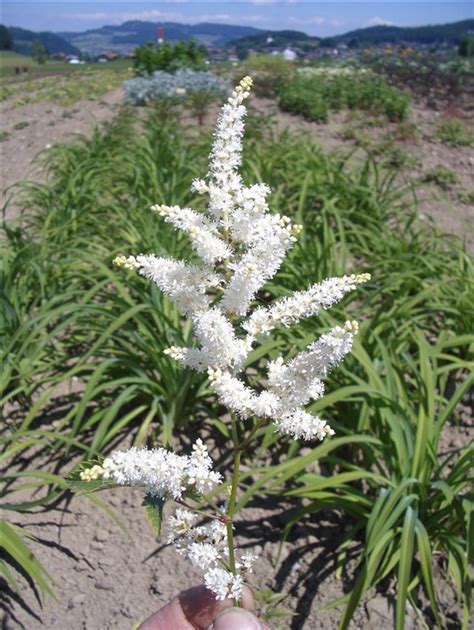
(233, 495)
(197, 511)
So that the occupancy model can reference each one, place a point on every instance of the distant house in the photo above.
(106, 56)
(216, 54)
(73, 60)
(289, 54)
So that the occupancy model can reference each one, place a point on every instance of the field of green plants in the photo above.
(392, 469)
(315, 94)
(91, 83)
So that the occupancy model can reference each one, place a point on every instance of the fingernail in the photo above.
(198, 605)
(236, 619)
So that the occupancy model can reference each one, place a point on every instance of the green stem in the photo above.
(233, 496)
(238, 451)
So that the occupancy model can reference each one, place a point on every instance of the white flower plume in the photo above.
(240, 245)
(160, 473)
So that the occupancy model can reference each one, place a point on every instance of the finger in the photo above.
(237, 619)
(194, 609)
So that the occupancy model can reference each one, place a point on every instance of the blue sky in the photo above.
(318, 18)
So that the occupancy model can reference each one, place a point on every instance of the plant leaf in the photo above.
(154, 509)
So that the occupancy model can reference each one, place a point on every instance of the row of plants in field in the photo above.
(66, 90)
(424, 73)
(328, 72)
(70, 315)
(314, 97)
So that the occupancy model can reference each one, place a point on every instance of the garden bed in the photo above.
(106, 578)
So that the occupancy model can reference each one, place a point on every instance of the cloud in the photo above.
(154, 15)
(118, 18)
(315, 19)
(87, 16)
(378, 21)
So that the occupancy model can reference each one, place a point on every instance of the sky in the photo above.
(314, 18)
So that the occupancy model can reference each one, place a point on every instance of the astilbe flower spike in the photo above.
(241, 244)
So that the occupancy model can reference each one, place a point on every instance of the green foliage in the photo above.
(315, 97)
(6, 40)
(270, 610)
(168, 57)
(24, 39)
(467, 197)
(39, 52)
(12, 541)
(198, 102)
(400, 159)
(466, 46)
(21, 125)
(397, 387)
(442, 177)
(421, 501)
(274, 64)
(154, 509)
(453, 131)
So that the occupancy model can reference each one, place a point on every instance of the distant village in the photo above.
(326, 49)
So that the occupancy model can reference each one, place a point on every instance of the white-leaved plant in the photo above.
(241, 245)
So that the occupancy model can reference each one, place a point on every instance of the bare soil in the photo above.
(46, 124)
(425, 152)
(108, 577)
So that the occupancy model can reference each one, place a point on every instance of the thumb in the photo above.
(237, 619)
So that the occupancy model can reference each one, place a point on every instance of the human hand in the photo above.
(198, 609)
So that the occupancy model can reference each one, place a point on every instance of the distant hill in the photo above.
(125, 37)
(435, 34)
(431, 34)
(22, 40)
(268, 40)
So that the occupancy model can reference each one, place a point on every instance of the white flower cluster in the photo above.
(206, 548)
(241, 245)
(334, 72)
(159, 472)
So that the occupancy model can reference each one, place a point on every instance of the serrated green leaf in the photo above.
(86, 487)
(154, 509)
